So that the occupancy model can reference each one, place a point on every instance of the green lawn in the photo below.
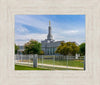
(19, 67)
(74, 63)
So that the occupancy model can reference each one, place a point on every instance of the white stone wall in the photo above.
(50, 47)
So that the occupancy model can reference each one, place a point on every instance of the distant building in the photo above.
(49, 45)
(20, 50)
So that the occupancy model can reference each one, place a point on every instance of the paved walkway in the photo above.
(51, 65)
(60, 66)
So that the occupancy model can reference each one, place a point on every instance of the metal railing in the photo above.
(52, 62)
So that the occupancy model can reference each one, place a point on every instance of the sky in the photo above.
(64, 27)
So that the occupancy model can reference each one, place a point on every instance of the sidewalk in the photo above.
(60, 66)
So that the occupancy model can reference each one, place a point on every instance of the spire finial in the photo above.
(49, 23)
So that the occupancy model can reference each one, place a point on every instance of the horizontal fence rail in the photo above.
(52, 62)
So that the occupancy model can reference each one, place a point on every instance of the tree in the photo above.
(67, 48)
(41, 52)
(82, 48)
(32, 47)
(16, 48)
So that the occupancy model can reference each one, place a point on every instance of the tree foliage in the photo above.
(67, 48)
(82, 48)
(41, 52)
(16, 48)
(32, 47)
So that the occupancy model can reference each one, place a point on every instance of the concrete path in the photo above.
(52, 65)
(60, 66)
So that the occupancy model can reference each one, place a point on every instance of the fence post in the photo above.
(18, 58)
(54, 61)
(67, 61)
(21, 57)
(84, 63)
(42, 60)
(29, 59)
(35, 57)
(15, 59)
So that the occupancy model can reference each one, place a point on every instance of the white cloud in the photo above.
(21, 42)
(35, 22)
(22, 39)
(21, 29)
(41, 23)
(70, 31)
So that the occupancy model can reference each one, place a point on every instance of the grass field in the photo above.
(74, 63)
(19, 67)
(22, 67)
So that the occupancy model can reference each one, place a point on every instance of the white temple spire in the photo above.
(49, 37)
(49, 23)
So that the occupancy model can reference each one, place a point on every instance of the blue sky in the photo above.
(64, 27)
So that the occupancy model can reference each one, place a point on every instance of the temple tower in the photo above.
(49, 36)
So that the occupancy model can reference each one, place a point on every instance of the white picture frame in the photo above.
(9, 8)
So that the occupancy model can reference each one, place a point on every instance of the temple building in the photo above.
(49, 45)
